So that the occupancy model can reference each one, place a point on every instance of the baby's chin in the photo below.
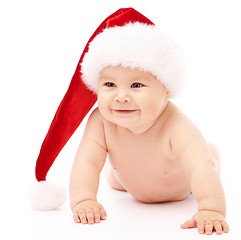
(125, 122)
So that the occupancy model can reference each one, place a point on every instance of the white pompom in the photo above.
(45, 196)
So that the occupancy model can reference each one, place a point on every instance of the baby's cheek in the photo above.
(153, 110)
(150, 107)
(101, 100)
(104, 108)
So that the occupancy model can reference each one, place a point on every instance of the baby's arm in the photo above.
(188, 143)
(84, 180)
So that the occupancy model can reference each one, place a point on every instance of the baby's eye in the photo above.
(110, 84)
(136, 85)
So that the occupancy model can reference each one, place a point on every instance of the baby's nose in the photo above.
(122, 96)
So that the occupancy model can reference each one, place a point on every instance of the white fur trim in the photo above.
(47, 196)
(135, 45)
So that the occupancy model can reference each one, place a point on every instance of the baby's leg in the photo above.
(111, 178)
(216, 156)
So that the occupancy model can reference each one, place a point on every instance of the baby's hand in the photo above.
(206, 222)
(88, 211)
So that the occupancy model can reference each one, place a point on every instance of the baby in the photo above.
(155, 152)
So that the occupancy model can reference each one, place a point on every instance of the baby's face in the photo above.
(131, 98)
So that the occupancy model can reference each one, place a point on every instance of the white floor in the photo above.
(127, 219)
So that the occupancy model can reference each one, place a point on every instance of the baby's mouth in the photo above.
(124, 111)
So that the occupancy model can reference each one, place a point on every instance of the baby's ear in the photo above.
(168, 94)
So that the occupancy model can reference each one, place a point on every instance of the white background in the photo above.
(40, 45)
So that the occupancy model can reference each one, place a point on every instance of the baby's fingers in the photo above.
(218, 227)
(189, 224)
(102, 214)
(80, 216)
(225, 227)
(97, 215)
(89, 215)
(209, 227)
(76, 217)
(201, 227)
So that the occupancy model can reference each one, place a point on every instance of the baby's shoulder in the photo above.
(94, 129)
(95, 113)
(96, 120)
(178, 120)
(174, 114)
(96, 116)
(182, 128)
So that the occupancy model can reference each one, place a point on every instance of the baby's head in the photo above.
(131, 98)
(135, 68)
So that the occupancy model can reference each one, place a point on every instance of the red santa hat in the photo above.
(124, 38)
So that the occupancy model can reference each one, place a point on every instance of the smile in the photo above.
(125, 112)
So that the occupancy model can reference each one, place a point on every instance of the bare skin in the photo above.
(155, 152)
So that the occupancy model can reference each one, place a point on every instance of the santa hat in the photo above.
(125, 38)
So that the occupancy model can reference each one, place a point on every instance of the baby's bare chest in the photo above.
(145, 154)
(147, 167)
